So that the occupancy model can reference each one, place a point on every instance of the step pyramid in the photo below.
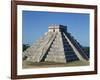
(56, 45)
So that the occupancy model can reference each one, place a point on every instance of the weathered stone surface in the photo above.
(56, 45)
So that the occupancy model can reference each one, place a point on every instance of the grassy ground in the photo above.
(52, 64)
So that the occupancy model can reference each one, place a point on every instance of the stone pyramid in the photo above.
(56, 45)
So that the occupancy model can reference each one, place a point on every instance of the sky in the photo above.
(35, 24)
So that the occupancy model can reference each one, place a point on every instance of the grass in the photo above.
(27, 64)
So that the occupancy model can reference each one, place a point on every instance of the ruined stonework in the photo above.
(57, 45)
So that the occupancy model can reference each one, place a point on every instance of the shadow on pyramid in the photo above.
(56, 45)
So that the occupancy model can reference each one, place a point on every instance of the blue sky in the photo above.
(35, 24)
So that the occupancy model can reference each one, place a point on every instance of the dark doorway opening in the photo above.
(53, 30)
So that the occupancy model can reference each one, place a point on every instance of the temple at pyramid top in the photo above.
(57, 28)
(56, 45)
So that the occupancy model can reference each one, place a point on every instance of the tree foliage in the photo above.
(87, 50)
(25, 46)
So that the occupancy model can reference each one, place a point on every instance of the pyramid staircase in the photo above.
(57, 45)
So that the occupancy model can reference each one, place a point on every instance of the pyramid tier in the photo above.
(56, 45)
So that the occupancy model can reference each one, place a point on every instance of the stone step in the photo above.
(66, 45)
(69, 52)
(56, 52)
(56, 56)
(56, 59)
(56, 48)
(71, 59)
(57, 45)
(68, 49)
(57, 42)
(60, 54)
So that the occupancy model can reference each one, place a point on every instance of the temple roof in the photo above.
(57, 26)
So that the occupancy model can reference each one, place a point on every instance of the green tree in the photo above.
(25, 46)
(87, 50)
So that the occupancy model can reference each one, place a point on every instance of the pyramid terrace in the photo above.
(56, 45)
